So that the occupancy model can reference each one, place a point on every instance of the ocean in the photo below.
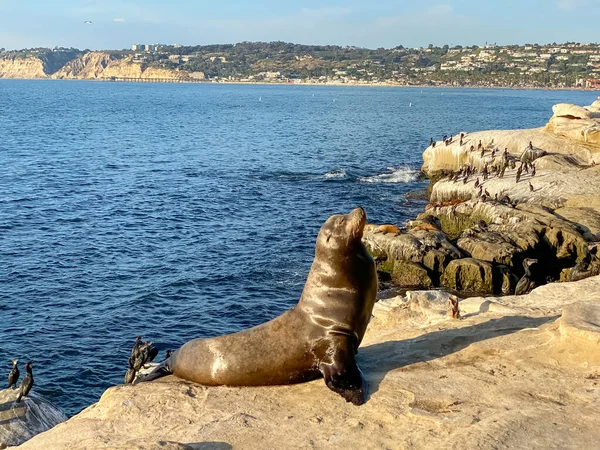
(176, 211)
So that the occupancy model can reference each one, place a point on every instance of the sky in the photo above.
(372, 24)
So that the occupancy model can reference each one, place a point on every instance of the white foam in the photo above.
(337, 173)
(395, 175)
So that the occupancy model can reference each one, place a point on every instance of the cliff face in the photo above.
(88, 66)
(14, 67)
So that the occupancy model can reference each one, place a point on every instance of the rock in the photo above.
(20, 422)
(413, 259)
(581, 320)
(469, 275)
(572, 131)
(490, 246)
(571, 111)
(408, 274)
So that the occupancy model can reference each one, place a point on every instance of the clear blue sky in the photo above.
(375, 23)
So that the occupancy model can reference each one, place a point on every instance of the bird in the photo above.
(533, 171)
(530, 187)
(142, 356)
(518, 174)
(525, 284)
(486, 192)
(13, 376)
(130, 375)
(26, 384)
(477, 182)
(581, 269)
(152, 353)
(530, 145)
(135, 351)
(87, 22)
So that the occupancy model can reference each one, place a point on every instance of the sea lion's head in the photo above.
(342, 230)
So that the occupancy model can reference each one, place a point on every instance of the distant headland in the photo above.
(532, 66)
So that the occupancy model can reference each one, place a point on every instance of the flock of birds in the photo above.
(26, 383)
(141, 354)
(500, 161)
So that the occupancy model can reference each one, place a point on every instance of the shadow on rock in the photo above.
(211, 446)
(378, 359)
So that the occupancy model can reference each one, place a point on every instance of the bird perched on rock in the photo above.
(430, 141)
(485, 172)
(581, 269)
(454, 308)
(13, 376)
(482, 153)
(477, 182)
(530, 187)
(501, 174)
(530, 145)
(480, 145)
(519, 171)
(130, 375)
(525, 284)
(487, 193)
(26, 384)
(533, 170)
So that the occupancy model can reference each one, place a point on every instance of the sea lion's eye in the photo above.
(328, 237)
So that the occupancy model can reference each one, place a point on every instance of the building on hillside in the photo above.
(592, 84)
(143, 48)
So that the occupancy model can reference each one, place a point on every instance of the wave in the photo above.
(393, 175)
(336, 173)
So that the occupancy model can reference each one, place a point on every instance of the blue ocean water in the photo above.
(178, 211)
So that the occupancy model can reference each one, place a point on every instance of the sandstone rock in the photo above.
(413, 259)
(469, 275)
(20, 422)
(490, 246)
(571, 111)
(582, 320)
(408, 274)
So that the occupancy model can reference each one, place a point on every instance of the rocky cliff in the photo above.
(87, 66)
(22, 68)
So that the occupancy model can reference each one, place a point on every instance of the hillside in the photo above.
(568, 65)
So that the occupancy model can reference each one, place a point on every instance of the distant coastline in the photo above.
(553, 66)
(302, 83)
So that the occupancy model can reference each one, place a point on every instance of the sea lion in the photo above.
(386, 228)
(320, 336)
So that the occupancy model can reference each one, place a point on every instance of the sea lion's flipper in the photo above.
(341, 372)
(162, 370)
